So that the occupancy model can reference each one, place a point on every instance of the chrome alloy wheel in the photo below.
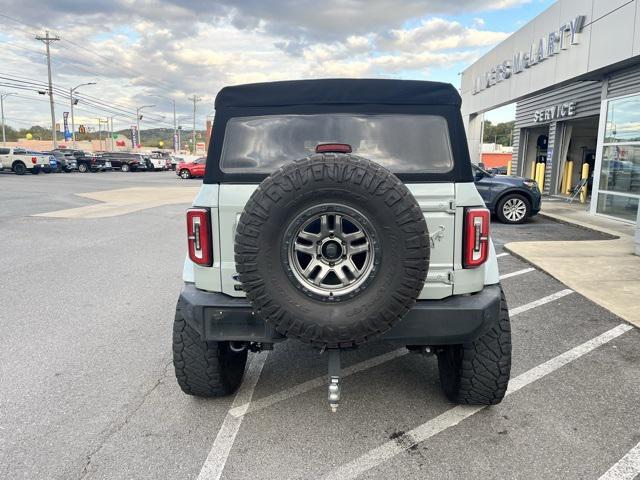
(514, 209)
(332, 250)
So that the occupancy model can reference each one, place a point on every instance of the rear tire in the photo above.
(19, 168)
(204, 369)
(82, 168)
(477, 373)
(125, 167)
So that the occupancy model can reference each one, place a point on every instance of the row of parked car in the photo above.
(21, 161)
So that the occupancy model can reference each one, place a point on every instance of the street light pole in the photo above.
(195, 100)
(175, 125)
(47, 41)
(138, 122)
(2, 97)
(176, 142)
(73, 122)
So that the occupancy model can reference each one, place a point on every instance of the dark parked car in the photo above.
(125, 161)
(511, 199)
(66, 160)
(498, 170)
(90, 163)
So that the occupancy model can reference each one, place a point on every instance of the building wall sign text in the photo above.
(556, 112)
(545, 47)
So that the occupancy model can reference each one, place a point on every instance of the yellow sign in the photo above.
(29, 136)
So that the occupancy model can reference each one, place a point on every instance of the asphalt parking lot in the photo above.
(87, 388)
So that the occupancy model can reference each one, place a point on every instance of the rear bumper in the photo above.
(456, 319)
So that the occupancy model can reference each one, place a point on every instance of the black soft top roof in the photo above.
(338, 91)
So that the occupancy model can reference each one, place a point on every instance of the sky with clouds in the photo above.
(146, 52)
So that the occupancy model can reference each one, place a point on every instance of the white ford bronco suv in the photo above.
(339, 212)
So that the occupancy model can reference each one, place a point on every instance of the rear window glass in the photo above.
(401, 143)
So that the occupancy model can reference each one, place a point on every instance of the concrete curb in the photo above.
(611, 287)
(576, 223)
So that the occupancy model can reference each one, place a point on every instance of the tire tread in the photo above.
(204, 369)
(480, 374)
(343, 169)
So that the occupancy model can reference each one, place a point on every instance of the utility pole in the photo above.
(2, 97)
(110, 128)
(195, 100)
(47, 41)
(100, 133)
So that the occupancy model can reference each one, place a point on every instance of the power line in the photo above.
(110, 62)
(91, 111)
(87, 99)
(20, 47)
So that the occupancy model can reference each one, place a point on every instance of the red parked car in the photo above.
(191, 169)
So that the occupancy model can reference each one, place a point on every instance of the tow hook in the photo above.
(334, 379)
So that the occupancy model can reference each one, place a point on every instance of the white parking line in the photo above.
(452, 417)
(359, 367)
(503, 254)
(627, 467)
(315, 383)
(217, 458)
(516, 273)
(242, 404)
(542, 301)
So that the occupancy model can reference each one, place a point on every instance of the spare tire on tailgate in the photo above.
(332, 249)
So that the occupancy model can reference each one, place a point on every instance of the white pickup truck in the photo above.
(22, 161)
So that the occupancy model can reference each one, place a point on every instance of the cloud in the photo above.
(439, 34)
(139, 50)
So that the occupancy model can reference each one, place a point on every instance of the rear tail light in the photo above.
(333, 148)
(34, 160)
(476, 237)
(199, 236)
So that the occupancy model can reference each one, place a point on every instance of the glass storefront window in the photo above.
(619, 181)
(619, 206)
(621, 169)
(623, 120)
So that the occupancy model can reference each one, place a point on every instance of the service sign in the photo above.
(545, 47)
(555, 112)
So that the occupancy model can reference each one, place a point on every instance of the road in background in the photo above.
(87, 385)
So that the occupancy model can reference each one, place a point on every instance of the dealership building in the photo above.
(574, 74)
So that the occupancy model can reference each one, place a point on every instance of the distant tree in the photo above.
(149, 138)
(499, 133)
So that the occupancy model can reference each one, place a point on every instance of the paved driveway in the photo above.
(87, 388)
